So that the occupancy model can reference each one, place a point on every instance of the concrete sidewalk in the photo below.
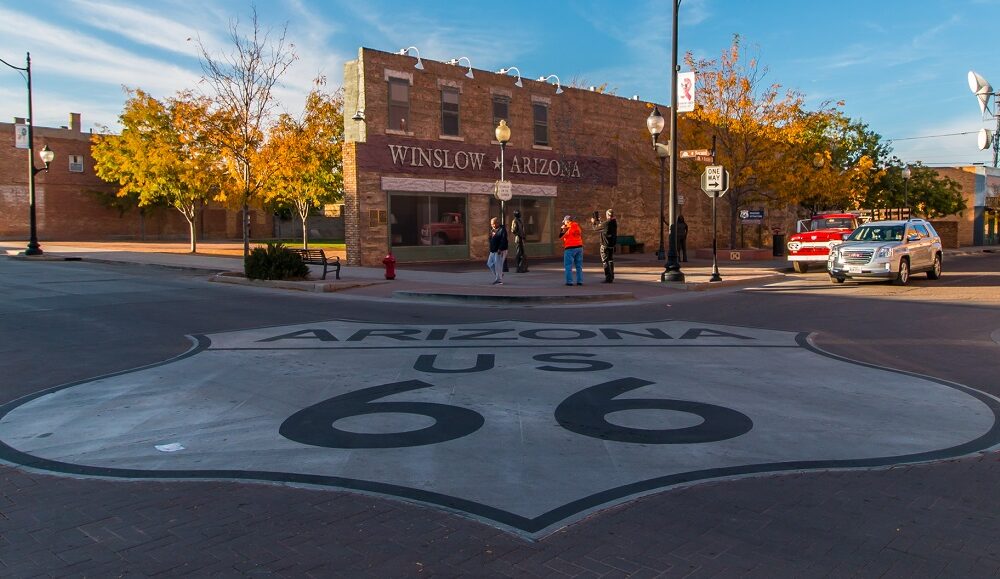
(637, 276)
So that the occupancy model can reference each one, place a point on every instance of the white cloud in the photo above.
(145, 27)
(78, 56)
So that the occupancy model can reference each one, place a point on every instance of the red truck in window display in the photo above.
(811, 245)
(450, 230)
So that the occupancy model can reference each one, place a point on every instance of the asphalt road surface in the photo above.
(156, 423)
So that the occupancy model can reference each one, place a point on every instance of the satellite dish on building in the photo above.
(984, 139)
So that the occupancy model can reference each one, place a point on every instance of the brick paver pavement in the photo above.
(909, 521)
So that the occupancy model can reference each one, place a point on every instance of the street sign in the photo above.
(712, 180)
(694, 153)
(704, 158)
(715, 181)
(504, 190)
(751, 215)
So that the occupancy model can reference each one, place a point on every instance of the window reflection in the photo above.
(418, 220)
(536, 215)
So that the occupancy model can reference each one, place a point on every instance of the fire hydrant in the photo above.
(390, 266)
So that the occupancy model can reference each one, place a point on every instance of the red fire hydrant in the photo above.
(390, 266)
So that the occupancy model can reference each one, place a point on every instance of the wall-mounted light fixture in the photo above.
(358, 116)
(404, 51)
(458, 61)
(518, 84)
(559, 89)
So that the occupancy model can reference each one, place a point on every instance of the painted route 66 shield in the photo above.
(527, 425)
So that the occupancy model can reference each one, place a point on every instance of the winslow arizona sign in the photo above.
(442, 158)
(526, 426)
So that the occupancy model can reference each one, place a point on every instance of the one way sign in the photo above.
(715, 179)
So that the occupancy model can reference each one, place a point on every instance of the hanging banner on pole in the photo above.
(21, 136)
(685, 92)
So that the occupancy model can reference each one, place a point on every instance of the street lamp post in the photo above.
(672, 270)
(46, 155)
(906, 189)
(503, 137)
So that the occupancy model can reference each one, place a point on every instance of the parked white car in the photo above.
(890, 250)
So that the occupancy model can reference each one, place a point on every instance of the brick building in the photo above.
(68, 204)
(421, 160)
(980, 223)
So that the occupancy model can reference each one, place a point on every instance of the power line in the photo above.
(934, 136)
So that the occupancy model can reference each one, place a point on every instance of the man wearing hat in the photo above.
(572, 237)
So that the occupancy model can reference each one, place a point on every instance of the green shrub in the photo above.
(275, 261)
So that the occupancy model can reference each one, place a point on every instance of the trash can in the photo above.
(778, 244)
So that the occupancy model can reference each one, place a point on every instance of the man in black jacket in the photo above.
(498, 249)
(609, 240)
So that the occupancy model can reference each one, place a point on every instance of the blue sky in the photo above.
(900, 66)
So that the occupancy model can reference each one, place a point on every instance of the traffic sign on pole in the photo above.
(715, 180)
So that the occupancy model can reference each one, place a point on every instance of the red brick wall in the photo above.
(582, 124)
(65, 208)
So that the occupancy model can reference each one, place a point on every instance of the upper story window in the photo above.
(541, 115)
(449, 111)
(501, 109)
(399, 104)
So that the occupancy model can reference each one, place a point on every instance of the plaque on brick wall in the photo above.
(377, 217)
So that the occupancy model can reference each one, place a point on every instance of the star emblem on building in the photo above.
(496, 163)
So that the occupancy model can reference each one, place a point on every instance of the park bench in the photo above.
(630, 242)
(318, 257)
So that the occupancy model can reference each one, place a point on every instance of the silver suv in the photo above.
(887, 249)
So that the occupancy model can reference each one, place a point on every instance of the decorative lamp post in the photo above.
(502, 133)
(672, 271)
(46, 156)
(655, 122)
(906, 189)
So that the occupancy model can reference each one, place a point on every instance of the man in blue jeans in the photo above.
(572, 237)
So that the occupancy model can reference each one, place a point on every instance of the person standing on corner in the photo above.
(572, 237)
(682, 239)
(498, 247)
(517, 230)
(609, 239)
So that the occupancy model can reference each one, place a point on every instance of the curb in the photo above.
(306, 286)
(509, 299)
(43, 257)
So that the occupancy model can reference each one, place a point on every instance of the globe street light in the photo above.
(654, 123)
(502, 134)
(46, 156)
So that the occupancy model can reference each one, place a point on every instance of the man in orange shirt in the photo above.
(572, 237)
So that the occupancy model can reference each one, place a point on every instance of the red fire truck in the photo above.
(811, 245)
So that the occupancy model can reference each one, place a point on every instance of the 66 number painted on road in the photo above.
(584, 413)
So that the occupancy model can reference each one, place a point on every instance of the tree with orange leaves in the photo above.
(304, 156)
(161, 155)
(771, 146)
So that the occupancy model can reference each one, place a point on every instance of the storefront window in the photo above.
(536, 214)
(421, 220)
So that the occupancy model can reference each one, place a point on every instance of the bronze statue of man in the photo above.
(517, 230)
